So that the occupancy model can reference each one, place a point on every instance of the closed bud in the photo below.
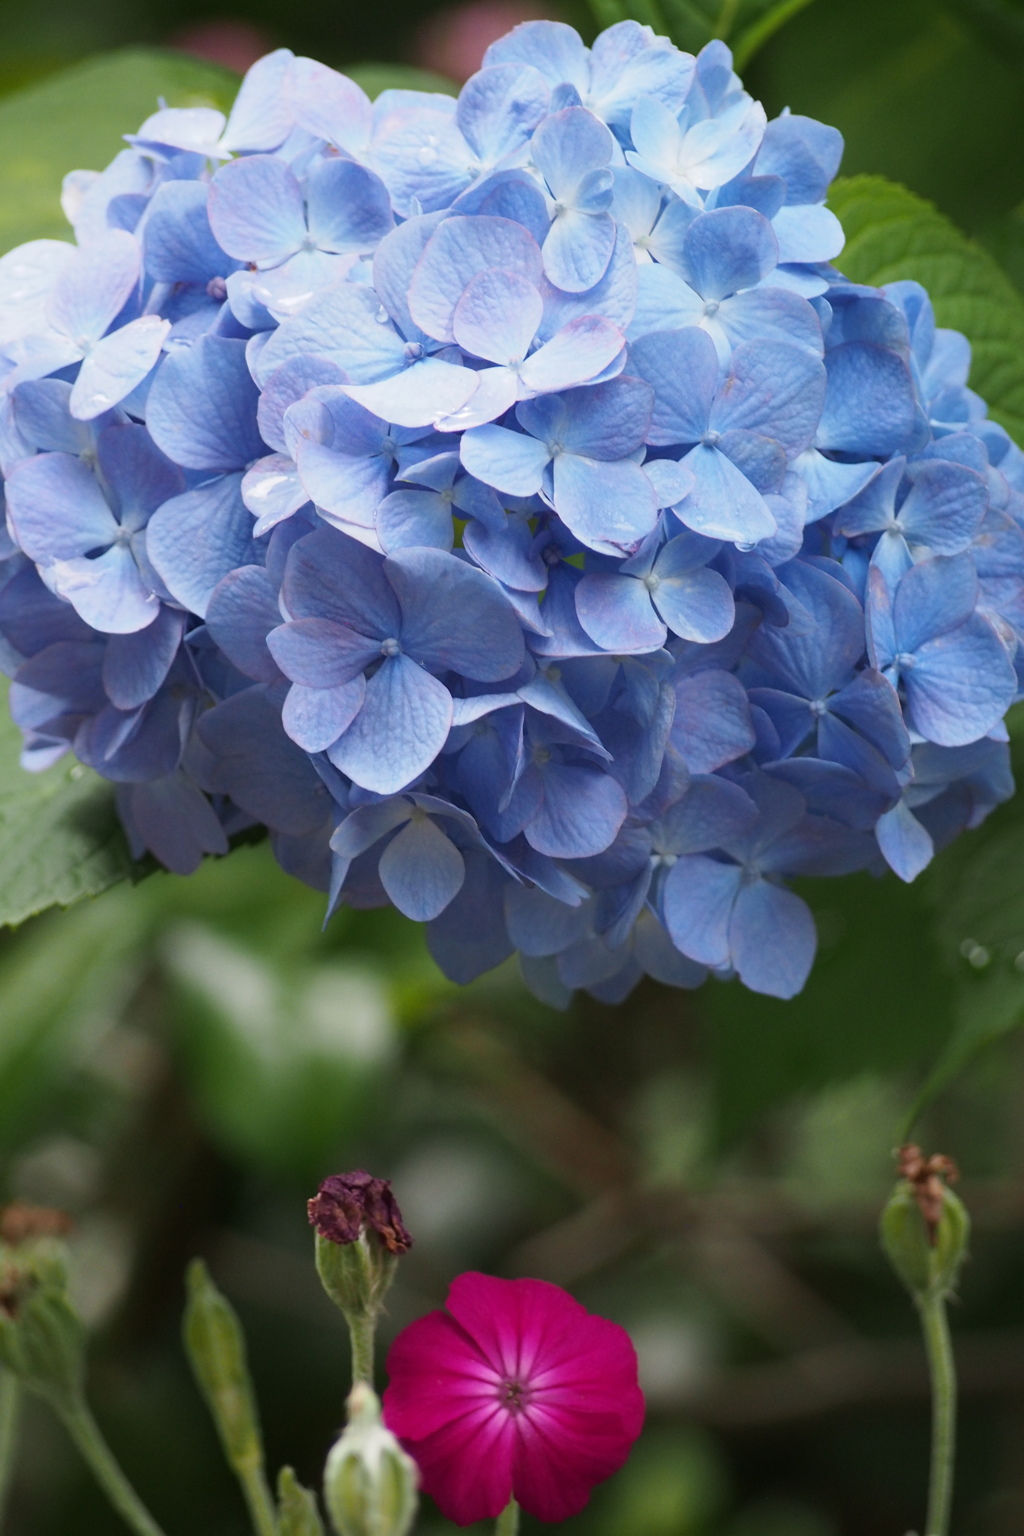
(369, 1481)
(355, 1276)
(925, 1227)
(216, 1348)
(42, 1340)
(296, 1507)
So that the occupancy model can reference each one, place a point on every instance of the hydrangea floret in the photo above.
(506, 503)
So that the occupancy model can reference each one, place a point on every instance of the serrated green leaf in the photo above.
(76, 118)
(60, 838)
(892, 234)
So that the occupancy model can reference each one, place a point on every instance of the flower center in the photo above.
(711, 309)
(514, 1396)
(905, 660)
(710, 439)
(389, 648)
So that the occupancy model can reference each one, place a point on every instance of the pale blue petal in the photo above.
(712, 724)
(775, 388)
(136, 665)
(414, 519)
(578, 248)
(256, 209)
(695, 604)
(499, 107)
(728, 249)
(419, 396)
(497, 317)
(348, 207)
(421, 869)
(697, 902)
(682, 367)
(56, 508)
(616, 612)
(578, 352)
(454, 616)
(582, 810)
(961, 684)
(906, 846)
(108, 591)
(202, 407)
(315, 717)
(509, 461)
(455, 253)
(609, 507)
(93, 287)
(115, 365)
(194, 540)
(772, 939)
(723, 504)
(402, 726)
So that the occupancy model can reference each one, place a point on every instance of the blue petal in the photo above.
(115, 365)
(712, 724)
(242, 611)
(56, 508)
(107, 591)
(697, 902)
(775, 388)
(454, 617)
(202, 407)
(178, 243)
(932, 598)
(421, 869)
(255, 763)
(402, 726)
(414, 519)
(682, 367)
(728, 249)
(315, 717)
(499, 107)
(712, 813)
(723, 504)
(869, 405)
(469, 936)
(455, 253)
(349, 207)
(607, 506)
(93, 287)
(319, 653)
(539, 924)
(331, 576)
(582, 810)
(194, 540)
(497, 317)
(616, 611)
(135, 665)
(906, 845)
(961, 684)
(510, 461)
(772, 939)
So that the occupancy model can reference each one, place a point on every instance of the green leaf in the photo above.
(60, 838)
(891, 234)
(75, 119)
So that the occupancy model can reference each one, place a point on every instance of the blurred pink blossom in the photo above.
(235, 44)
(453, 41)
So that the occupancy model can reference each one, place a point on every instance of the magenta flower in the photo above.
(518, 1391)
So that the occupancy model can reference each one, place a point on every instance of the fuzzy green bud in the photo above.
(42, 1340)
(216, 1348)
(927, 1257)
(355, 1275)
(369, 1481)
(297, 1511)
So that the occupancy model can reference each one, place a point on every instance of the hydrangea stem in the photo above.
(95, 1451)
(943, 1378)
(508, 1521)
(10, 1415)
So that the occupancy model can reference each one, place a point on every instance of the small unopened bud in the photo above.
(359, 1237)
(42, 1340)
(216, 1348)
(925, 1227)
(369, 1481)
(296, 1506)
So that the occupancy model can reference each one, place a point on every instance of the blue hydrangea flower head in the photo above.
(508, 505)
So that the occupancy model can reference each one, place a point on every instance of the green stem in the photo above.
(85, 1432)
(262, 1510)
(10, 1415)
(942, 1370)
(362, 1329)
(726, 18)
(508, 1521)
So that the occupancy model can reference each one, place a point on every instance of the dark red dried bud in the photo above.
(20, 1222)
(346, 1203)
(926, 1177)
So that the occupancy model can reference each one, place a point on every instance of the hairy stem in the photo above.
(943, 1378)
(362, 1331)
(262, 1510)
(508, 1521)
(85, 1432)
(10, 1415)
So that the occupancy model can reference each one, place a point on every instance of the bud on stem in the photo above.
(924, 1231)
(297, 1511)
(359, 1238)
(369, 1481)
(215, 1346)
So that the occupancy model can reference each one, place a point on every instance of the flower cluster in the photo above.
(506, 503)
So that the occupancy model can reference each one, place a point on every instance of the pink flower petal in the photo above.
(466, 1466)
(436, 1375)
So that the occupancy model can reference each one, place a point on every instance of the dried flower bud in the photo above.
(925, 1226)
(369, 1481)
(360, 1235)
(19, 1223)
(346, 1204)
